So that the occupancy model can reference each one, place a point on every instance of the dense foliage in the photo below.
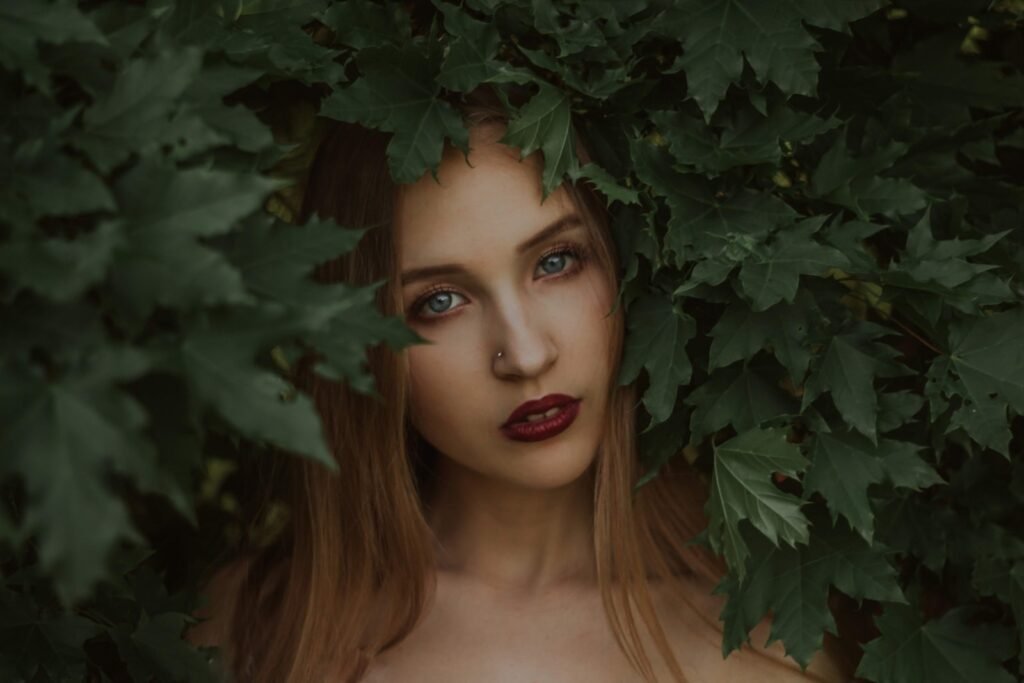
(819, 205)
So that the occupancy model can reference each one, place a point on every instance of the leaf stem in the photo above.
(892, 318)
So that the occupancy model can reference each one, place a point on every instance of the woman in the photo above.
(483, 526)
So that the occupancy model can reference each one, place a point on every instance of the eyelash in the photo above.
(577, 251)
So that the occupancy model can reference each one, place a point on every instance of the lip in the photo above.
(517, 429)
(538, 406)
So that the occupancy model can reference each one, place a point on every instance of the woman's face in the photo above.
(531, 293)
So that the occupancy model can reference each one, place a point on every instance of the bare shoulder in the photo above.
(690, 614)
(220, 595)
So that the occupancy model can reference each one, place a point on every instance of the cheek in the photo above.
(441, 378)
(582, 318)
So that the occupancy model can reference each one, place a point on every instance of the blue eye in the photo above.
(555, 260)
(438, 302)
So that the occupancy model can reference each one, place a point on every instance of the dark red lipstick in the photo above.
(518, 428)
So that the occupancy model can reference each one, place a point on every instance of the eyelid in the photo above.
(578, 250)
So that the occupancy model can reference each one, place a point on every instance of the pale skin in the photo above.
(517, 599)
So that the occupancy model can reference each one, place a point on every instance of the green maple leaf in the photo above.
(896, 408)
(634, 235)
(904, 467)
(339, 320)
(932, 273)
(843, 466)
(946, 650)
(39, 644)
(741, 397)
(772, 273)
(64, 438)
(361, 24)
(545, 123)
(660, 443)
(793, 584)
(854, 181)
(38, 166)
(26, 23)
(573, 31)
(1005, 580)
(943, 85)
(742, 333)
(61, 269)
(268, 37)
(742, 490)
(142, 110)
(847, 371)
(750, 138)
(917, 527)
(944, 261)
(702, 219)
(65, 331)
(985, 421)
(218, 359)
(276, 260)
(656, 341)
(156, 649)
(988, 357)
(471, 57)
(148, 588)
(605, 184)
(398, 93)
(596, 83)
(165, 211)
(718, 34)
(344, 339)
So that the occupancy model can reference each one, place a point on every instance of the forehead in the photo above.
(488, 205)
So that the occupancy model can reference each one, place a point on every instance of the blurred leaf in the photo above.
(218, 358)
(25, 23)
(64, 438)
(165, 212)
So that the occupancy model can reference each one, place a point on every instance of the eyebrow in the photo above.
(561, 225)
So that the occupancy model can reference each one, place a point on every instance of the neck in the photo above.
(512, 538)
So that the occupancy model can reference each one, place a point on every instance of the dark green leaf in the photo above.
(742, 489)
(847, 372)
(656, 341)
(219, 361)
(64, 438)
(793, 583)
(946, 650)
(162, 262)
(544, 123)
(988, 356)
(398, 94)
(25, 23)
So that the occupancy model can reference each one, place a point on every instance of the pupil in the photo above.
(444, 298)
(554, 258)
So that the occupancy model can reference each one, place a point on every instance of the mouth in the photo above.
(542, 419)
(539, 409)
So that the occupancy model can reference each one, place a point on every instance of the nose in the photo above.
(528, 349)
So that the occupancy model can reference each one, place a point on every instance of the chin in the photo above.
(549, 471)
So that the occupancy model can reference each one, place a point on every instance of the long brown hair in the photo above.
(354, 572)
